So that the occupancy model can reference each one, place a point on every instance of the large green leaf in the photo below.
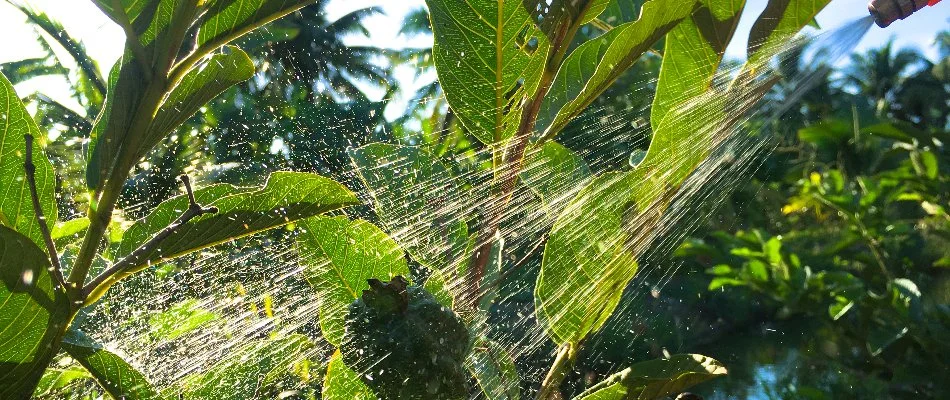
(495, 370)
(592, 250)
(286, 197)
(200, 85)
(419, 201)
(555, 174)
(778, 23)
(692, 54)
(227, 20)
(594, 66)
(586, 262)
(341, 255)
(127, 84)
(489, 57)
(621, 11)
(16, 204)
(342, 383)
(656, 379)
(116, 376)
(33, 314)
(246, 372)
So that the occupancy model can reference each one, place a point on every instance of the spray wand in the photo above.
(887, 11)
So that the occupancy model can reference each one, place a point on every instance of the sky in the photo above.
(103, 39)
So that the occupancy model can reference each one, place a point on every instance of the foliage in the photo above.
(498, 169)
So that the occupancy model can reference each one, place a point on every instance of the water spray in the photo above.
(884, 12)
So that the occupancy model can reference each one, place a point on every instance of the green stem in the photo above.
(100, 216)
(104, 200)
(507, 161)
(563, 363)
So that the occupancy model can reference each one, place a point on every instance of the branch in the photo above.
(133, 259)
(30, 169)
(562, 365)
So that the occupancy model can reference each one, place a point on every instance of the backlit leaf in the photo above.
(692, 54)
(33, 314)
(778, 23)
(593, 66)
(342, 383)
(341, 255)
(555, 174)
(246, 372)
(419, 201)
(227, 20)
(656, 379)
(116, 376)
(200, 85)
(16, 204)
(489, 55)
(495, 370)
(286, 197)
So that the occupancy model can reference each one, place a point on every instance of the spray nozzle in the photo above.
(887, 11)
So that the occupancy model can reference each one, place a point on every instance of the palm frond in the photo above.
(75, 49)
(416, 23)
(23, 70)
(352, 22)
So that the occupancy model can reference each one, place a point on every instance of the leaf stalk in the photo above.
(102, 282)
(30, 170)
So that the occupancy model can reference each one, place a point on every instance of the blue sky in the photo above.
(104, 40)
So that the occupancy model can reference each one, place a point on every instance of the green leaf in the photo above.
(594, 10)
(489, 56)
(55, 380)
(227, 20)
(286, 197)
(620, 11)
(586, 262)
(882, 336)
(594, 66)
(898, 130)
(495, 370)
(341, 255)
(33, 314)
(929, 161)
(182, 318)
(581, 279)
(200, 85)
(127, 86)
(243, 373)
(555, 174)
(419, 200)
(342, 383)
(16, 204)
(71, 228)
(436, 285)
(137, 85)
(692, 54)
(777, 24)
(656, 379)
(827, 134)
(24, 70)
(116, 376)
